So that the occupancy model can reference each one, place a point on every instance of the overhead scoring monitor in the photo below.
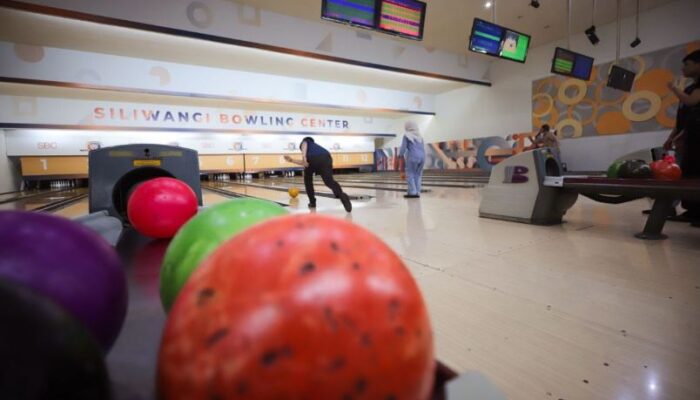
(514, 46)
(569, 63)
(402, 17)
(355, 12)
(495, 40)
(486, 37)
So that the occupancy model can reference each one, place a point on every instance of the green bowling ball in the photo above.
(614, 169)
(202, 234)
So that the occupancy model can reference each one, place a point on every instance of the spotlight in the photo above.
(488, 4)
(535, 4)
(636, 42)
(592, 37)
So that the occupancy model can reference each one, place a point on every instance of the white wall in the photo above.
(505, 108)
(9, 175)
(232, 19)
(139, 74)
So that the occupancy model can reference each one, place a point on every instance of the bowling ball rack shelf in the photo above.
(619, 190)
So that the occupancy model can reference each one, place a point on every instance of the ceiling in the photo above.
(60, 32)
(448, 22)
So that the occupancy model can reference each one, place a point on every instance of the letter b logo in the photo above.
(516, 174)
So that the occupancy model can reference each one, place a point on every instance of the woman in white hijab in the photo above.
(413, 152)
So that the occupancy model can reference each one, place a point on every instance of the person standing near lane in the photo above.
(685, 137)
(413, 151)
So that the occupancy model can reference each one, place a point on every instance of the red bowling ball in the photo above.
(159, 207)
(666, 169)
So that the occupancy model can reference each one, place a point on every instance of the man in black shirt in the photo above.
(686, 135)
(317, 160)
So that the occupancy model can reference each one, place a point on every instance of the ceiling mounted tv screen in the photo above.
(486, 37)
(514, 46)
(621, 79)
(405, 18)
(569, 63)
(355, 12)
(495, 40)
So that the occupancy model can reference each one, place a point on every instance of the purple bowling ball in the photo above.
(68, 263)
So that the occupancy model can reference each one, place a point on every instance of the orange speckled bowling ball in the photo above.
(302, 306)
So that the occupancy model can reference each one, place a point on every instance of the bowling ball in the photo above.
(634, 169)
(666, 169)
(303, 306)
(614, 169)
(203, 233)
(44, 352)
(159, 207)
(69, 264)
(293, 192)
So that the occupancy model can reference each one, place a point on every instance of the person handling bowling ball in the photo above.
(685, 137)
(317, 160)
(547, 138)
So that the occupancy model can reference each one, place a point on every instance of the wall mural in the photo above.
(578, 108)
(575, 108)
(468, 154)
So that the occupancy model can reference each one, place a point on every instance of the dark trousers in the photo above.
(690, 165)
(321, 165)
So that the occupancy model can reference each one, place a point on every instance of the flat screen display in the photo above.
(620, 78)
(486, 37)
(514, 46)
(569, 63)
(355, 12)
(402, 17)
(495, 40)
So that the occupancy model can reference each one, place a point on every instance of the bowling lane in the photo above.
(427, 181)
(44, 199)
(377, 187)
(401, 183)
(82, 207)
(75, 210)
(11, 196)
(298, 204)
(427, 175)
(283, 185)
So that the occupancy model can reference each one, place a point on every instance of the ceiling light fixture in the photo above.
(488, 4)
(637, 41)
(590, 32)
